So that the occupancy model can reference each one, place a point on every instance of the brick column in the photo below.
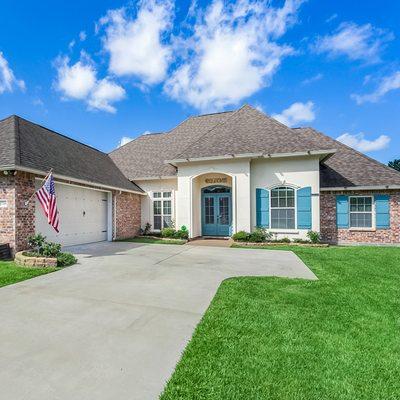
(126, 214)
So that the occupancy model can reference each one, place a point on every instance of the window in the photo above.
(361, 212)
(282, 208)
(162, 210)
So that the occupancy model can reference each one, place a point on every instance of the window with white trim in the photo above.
(361, 212)
(162, 210)
(283, 208)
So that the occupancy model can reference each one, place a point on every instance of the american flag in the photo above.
(47, 198)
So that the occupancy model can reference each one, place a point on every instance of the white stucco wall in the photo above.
(156, 185)
(296, 172)
(189, 192)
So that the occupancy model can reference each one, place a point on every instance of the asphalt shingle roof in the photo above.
(348, 167)
(26, 144)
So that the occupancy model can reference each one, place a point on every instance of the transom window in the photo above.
(283, 208)
(162, 210)
(361, 212)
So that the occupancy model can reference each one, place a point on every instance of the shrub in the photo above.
(147, 229)
(260, 235)
(241, 236)
(50, 249)
(65, 259)
(168, 233)
(284, 240)
(36, 242)
(314, 236)
(183, 233)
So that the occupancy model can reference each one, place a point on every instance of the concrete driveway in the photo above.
(115, 325)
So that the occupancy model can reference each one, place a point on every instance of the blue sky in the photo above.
(102, 71)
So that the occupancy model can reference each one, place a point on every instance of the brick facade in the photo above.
(330, 233)
(7, 209)
(128, 215)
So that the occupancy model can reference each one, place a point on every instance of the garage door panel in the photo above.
(83, 216)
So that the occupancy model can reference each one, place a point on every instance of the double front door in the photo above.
(216, 213)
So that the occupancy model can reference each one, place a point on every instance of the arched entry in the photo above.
(216, 211)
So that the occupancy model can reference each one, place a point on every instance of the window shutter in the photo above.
(342, 211)
(382, 209)
(262, 208)
(304, 208)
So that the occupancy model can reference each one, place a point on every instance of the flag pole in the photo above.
(30, 198)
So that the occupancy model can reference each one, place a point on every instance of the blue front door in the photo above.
(216, 212)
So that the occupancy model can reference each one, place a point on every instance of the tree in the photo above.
(395, 164)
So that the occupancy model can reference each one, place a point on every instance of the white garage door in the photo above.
(83, 216)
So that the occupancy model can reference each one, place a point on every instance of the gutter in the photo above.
(349, 188)
(68, 178)
(252, 155)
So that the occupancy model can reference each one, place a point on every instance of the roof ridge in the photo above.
(215, 113)
(59, 134)
(17, 140)
(352, 149)
(206, 133)
(137, 138)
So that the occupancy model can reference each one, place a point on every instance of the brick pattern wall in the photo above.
(7, 214)
(330, 233)
(128, 215)
(25, 213)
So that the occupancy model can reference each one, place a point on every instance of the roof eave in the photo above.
(322, 153)
(68, 178)
(350, 188)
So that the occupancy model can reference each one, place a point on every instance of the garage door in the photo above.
(83, 216)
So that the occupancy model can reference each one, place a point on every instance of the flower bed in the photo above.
(25, 259)
(263, 244)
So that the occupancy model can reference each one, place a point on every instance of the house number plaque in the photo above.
(216, 180)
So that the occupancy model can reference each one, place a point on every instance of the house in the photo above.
(216, 174)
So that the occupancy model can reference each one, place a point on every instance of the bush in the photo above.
(183, 233)
(260, 235)
(241, 236)
(147, 229)
(50, 249)
(36, 243)
(65, 259)
(314, 236)
(168, 233)
(284, 240)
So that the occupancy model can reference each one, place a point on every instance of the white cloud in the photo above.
(82, 36)
(104, 94)
(7, 77)
(296, 113)
(312, 79)
(124, 140)
(79, 82)
(357, 42)
(331, 18)
(359, 143)
(231, 52)
(387, 84)
(135, 45)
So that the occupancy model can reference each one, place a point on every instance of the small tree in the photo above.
(395, 164)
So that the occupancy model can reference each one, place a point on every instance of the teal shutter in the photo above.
(262, 208)
(342, 211)
(304, 208)
(382, 209)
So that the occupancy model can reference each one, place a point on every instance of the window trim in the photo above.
(283, 230)
(162, 199)
(373, 214)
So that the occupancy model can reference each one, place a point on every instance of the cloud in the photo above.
(135, 45)
(82, 36)
(359, 143)
(231, 52)
(387, 84)
(7, 78)
(331, 18)
(79, 82)
(357, 42)
(104, 94)
(312, 79)
(124, 140)
(296, 113)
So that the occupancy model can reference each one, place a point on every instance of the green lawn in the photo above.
(153, 241)
(274, 338)
(12, 273)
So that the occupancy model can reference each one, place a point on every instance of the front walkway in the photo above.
(115, 325)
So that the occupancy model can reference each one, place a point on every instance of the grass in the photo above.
(12, 273)
(273, 338)
(153, 241)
